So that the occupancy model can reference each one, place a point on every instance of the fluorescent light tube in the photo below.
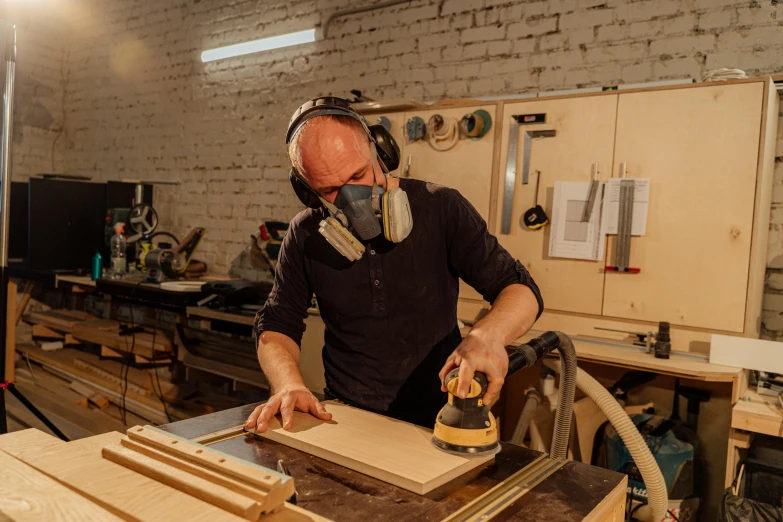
(256, 46)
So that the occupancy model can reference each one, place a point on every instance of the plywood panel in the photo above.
(699, 147)
(758, 250)
(390, 450)
(585, 135)
(467, 167)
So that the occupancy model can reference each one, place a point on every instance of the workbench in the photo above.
(576, 492)
(753, 414)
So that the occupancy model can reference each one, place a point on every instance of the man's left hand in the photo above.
(479, 351)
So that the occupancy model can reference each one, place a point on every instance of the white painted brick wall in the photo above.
(39, 139)
(140, 104)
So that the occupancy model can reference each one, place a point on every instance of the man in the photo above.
(391, 324)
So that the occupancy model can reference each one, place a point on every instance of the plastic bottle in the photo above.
(119, 261)
(97, 266)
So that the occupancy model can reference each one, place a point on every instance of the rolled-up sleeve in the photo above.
(476, 256)
(286, 307)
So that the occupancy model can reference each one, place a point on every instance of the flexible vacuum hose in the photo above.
(532, 400)
(658, 498)
(526, 355)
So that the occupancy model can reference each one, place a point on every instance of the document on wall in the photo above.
(611, 212)
(570, 237)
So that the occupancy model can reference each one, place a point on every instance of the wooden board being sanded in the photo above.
(387, 449)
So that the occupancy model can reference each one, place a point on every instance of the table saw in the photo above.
(575, 492)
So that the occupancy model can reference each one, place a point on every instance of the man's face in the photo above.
(334, 154)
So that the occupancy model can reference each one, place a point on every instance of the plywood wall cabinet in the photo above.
(699, 148)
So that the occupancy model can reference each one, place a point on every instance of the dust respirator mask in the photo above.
(368, 210)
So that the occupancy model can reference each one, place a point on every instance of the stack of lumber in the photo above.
(147, 345)
(71, 412)
(107, 380)
(43, 478)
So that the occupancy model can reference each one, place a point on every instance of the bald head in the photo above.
(331, 151)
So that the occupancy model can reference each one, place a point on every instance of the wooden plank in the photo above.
(63, 405)
(387, 449)
(108, 352)
(40, 330)
(759, 414)
(64, 320)
(764, 182)
(31, 441)
(76, 280)
(10, 334)
(27, 494)
(93, 369)
(743, 352)
(226, 464)
(195, 486)
(697, 238)
(90, 393)
(104, 333)
(27, 294)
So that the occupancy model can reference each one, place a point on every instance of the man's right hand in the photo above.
(286, 401)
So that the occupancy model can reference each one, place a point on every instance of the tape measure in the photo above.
(535, 217)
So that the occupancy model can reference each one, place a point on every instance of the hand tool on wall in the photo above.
(624, 226)
(535, 217)
(511, 160)
(415, 128)
(475, 125)
(442, 132)
(591, 194)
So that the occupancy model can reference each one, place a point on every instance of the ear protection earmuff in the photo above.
(394, 211)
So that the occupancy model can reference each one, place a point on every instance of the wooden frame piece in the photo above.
(171, 474)
(258, 476)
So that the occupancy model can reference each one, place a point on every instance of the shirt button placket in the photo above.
(376, 278)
